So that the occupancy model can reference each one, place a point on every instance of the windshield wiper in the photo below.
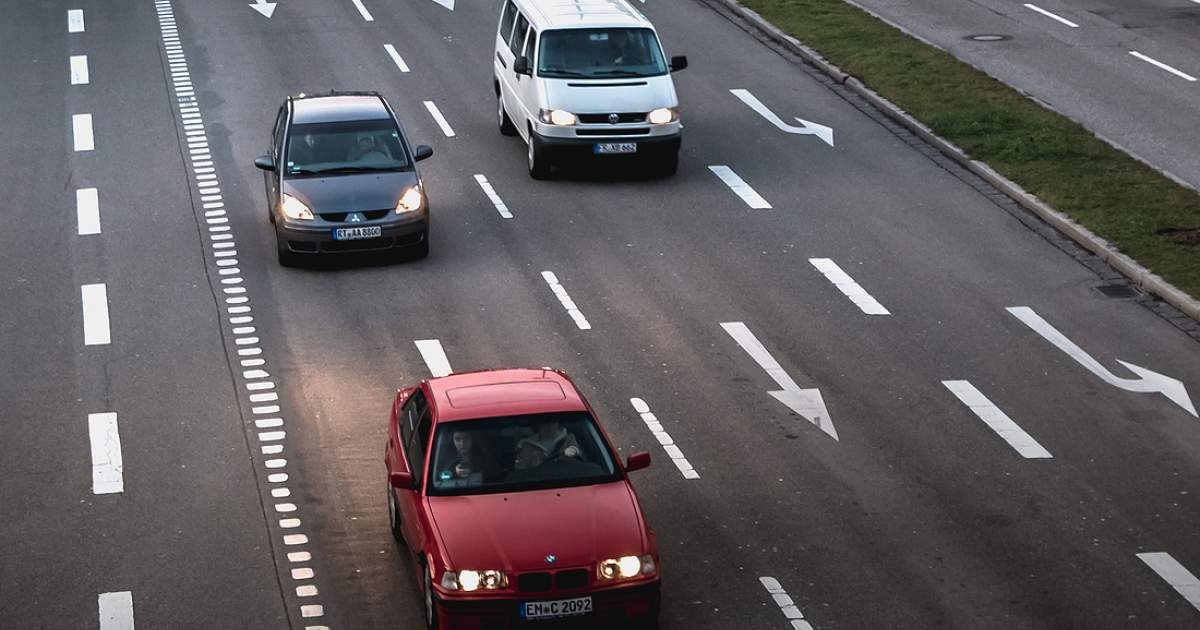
(357, 169)
(569, 73)
(619, 73)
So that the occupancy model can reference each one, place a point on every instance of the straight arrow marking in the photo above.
(1147, 381)
(263, 7)
(807, 128)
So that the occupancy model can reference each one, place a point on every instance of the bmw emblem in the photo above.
(614, 119)
(551, 559)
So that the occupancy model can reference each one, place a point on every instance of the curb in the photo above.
(1141, 277)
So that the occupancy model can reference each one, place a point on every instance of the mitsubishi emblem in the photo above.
(551, 558)
(614, 119)
(355, 217)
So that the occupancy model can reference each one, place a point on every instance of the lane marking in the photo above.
(807, 128)
(116, 610)
(999, 421)
(95, 315)
(439, 119)
(668, 444)
(75, 21)
(1034, 7)
(434, 356)
(848, 286)
(1155, 62)
(391, 51)
(87, 210)
(107, 466)
(79, 70)
(740, 187)
(81, 125)
(785, 603)
(566, 301)
(362, 10)
(1175, 574)
(493, 197)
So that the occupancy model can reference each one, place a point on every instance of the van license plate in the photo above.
(356, 233)
(616, 147)
(559, 608)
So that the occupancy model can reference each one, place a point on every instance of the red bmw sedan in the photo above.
(514, 506)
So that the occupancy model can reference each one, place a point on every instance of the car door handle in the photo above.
(501, 59)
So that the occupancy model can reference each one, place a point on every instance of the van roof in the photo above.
(581, 13)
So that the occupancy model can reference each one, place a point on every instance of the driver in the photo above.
(550, 442)
(467, 459)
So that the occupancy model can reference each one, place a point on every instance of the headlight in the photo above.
(469, 580)
(557, 117)
(293, 208)
(663, 115)
(625, 567)
(410, 201)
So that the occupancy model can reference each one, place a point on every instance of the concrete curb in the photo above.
(1140, 276)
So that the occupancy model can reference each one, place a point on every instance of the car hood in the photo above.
(517, 531)
(623, 95)
(347, 193)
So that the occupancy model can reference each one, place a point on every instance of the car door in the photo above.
(527, 85)
(518, 110)
(418, 424)
(502, 65)
(278, 134)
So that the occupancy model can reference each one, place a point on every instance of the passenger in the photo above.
(550, 442)
(306, 151)
(365, 149)
(468, 458)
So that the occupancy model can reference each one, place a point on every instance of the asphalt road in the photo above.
(918, 516)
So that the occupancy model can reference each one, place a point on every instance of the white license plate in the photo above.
(616, 147)
(356, 233)
(557, 608)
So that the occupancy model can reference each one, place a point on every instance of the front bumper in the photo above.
(611, 608)
(318, 238)
(582, 146)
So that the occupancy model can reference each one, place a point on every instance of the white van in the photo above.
(585, 77)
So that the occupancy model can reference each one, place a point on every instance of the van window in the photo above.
(518, 38)
(600, 53)
(506, 20)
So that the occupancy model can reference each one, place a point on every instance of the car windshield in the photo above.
(600, 53)
(344, 147)
(517, 453)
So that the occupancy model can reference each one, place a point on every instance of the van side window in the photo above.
(518, 38)
(506, 20)
(530, 43)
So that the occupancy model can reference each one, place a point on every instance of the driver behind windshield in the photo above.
(551, 441)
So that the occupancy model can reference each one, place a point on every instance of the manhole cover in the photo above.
(988, 37)
(1117, 291)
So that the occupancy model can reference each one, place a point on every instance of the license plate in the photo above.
(356, 233)
(557, 608)
(616, 147)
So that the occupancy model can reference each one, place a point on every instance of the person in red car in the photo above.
(550, 442)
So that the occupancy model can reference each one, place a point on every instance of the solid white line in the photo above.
(1182, 75)
(566, 301)
(739, 186)
(1175, 574)
(435, 356)
(75, 21)
(848, 286)
(81, 124)
(1050, 15)
(785, 603)
(95, 315)
(107, 466)
(391, 50)
(668, 444)
(87, 210)
(363, 10)
(79, 70)
(441, 120)
(116, 611)
(999, 422)
(493, 197)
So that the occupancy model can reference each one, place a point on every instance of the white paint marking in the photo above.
(807, 128)
(493, 197)
(81, 125)
(271, 436)
(999, 422)
(848, 286)
(366, 15)
(79, 70)
(565, 299)
(116, 610)
(268, 423)
(1175, 574)
(277, 477)
(107, 466)
(434, 356)
(75, 21)
(1034, 7)
(299, 556)
(295, 539)
(283, 493)
(308, 590)
(740, 187)
(95, 315)
(312, 611)
(439, 119)
(87, 210)
(1155, 62)
(391, 51)
(785, 603)
(302, 574)
(264, 8)
(681, 462)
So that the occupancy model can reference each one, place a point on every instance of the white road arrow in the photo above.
(807, 128)
(263, 7)
(1148, 381)
(449, 4)
(805, 402)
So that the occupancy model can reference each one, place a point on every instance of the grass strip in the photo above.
(1146, 215)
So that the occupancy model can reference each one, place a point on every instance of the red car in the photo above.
(514, 506)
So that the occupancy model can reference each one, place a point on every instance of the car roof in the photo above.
(508, 392)
(582, 14)
(338, 108)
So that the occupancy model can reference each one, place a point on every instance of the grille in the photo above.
(338, 217)
(533, 582)
(602, 119)
(571, 578)
(614, 131)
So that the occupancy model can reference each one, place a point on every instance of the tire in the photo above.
(431, 618)
(506, 124)
(287, 258)
(539, 166)
(394, 516)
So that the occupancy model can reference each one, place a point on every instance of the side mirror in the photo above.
(521, 66)
(678, 63)
(636, 461)
(265, 162)
(402, 481)
(422, 151)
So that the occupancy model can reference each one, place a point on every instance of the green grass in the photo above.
(1149, 217)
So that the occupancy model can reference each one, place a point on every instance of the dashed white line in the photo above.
(75, 21)
(565, 299)
(785, 603)
(1033, 7)
(81, 126)
(1155, 62)
(493, 197)
(362, 10)
(391, 51)
(439, 119)
(95, 315)
(664, 439)
(848, 286)
(740, 187)
(999, 422)
(116, 610)
(1175, 574)
(79, 70)
(87, 211)
(108, 475)
(434, 356)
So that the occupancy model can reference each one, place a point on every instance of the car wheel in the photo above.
(539, 168)
(287, 258)
(431, 618)
(506, 124)
(394, 515)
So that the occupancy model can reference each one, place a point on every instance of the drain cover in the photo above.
(1117, 290)
(988, 37)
